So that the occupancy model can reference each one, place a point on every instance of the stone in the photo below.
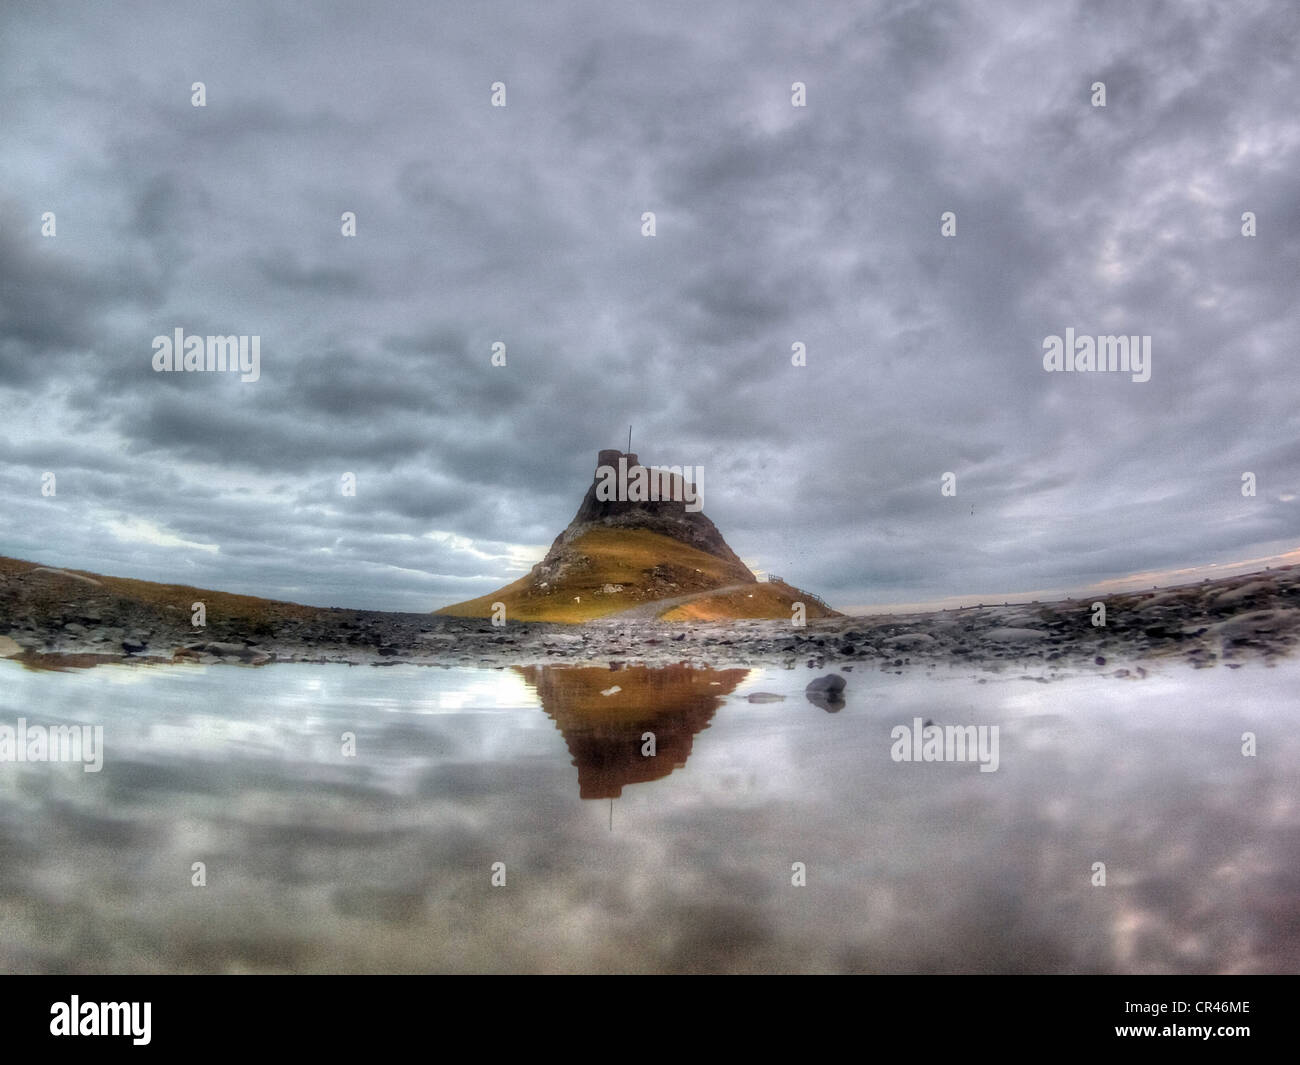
(910, 640)
(1014, 635)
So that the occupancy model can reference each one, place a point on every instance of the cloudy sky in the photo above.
(775, 224)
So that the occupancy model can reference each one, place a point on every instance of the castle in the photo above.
(621, 478)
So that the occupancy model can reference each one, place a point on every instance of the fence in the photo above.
(772, 578)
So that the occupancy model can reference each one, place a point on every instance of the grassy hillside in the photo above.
(50, 597)
(766, 600)
(648, 565)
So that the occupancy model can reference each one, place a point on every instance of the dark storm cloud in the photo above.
(775, 225)
(51, 306)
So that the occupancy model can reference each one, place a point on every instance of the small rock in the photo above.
(1236, 595)
(221, 648)
(832, 682)
(910, 640)
(1013, 635)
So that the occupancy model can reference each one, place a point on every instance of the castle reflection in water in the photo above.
(605, 729)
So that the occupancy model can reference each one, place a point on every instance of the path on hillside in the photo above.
(651, 611)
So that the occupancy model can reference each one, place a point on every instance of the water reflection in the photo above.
(831, 702)
(604, 715)
(321, 861)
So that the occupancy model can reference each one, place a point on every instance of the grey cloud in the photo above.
(478, 224)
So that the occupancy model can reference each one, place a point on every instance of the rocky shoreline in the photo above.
(53, 618)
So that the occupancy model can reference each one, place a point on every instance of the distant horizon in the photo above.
(1136, 582)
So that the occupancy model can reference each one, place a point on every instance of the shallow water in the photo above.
(614, 861)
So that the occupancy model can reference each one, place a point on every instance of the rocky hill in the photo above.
(628, 552)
